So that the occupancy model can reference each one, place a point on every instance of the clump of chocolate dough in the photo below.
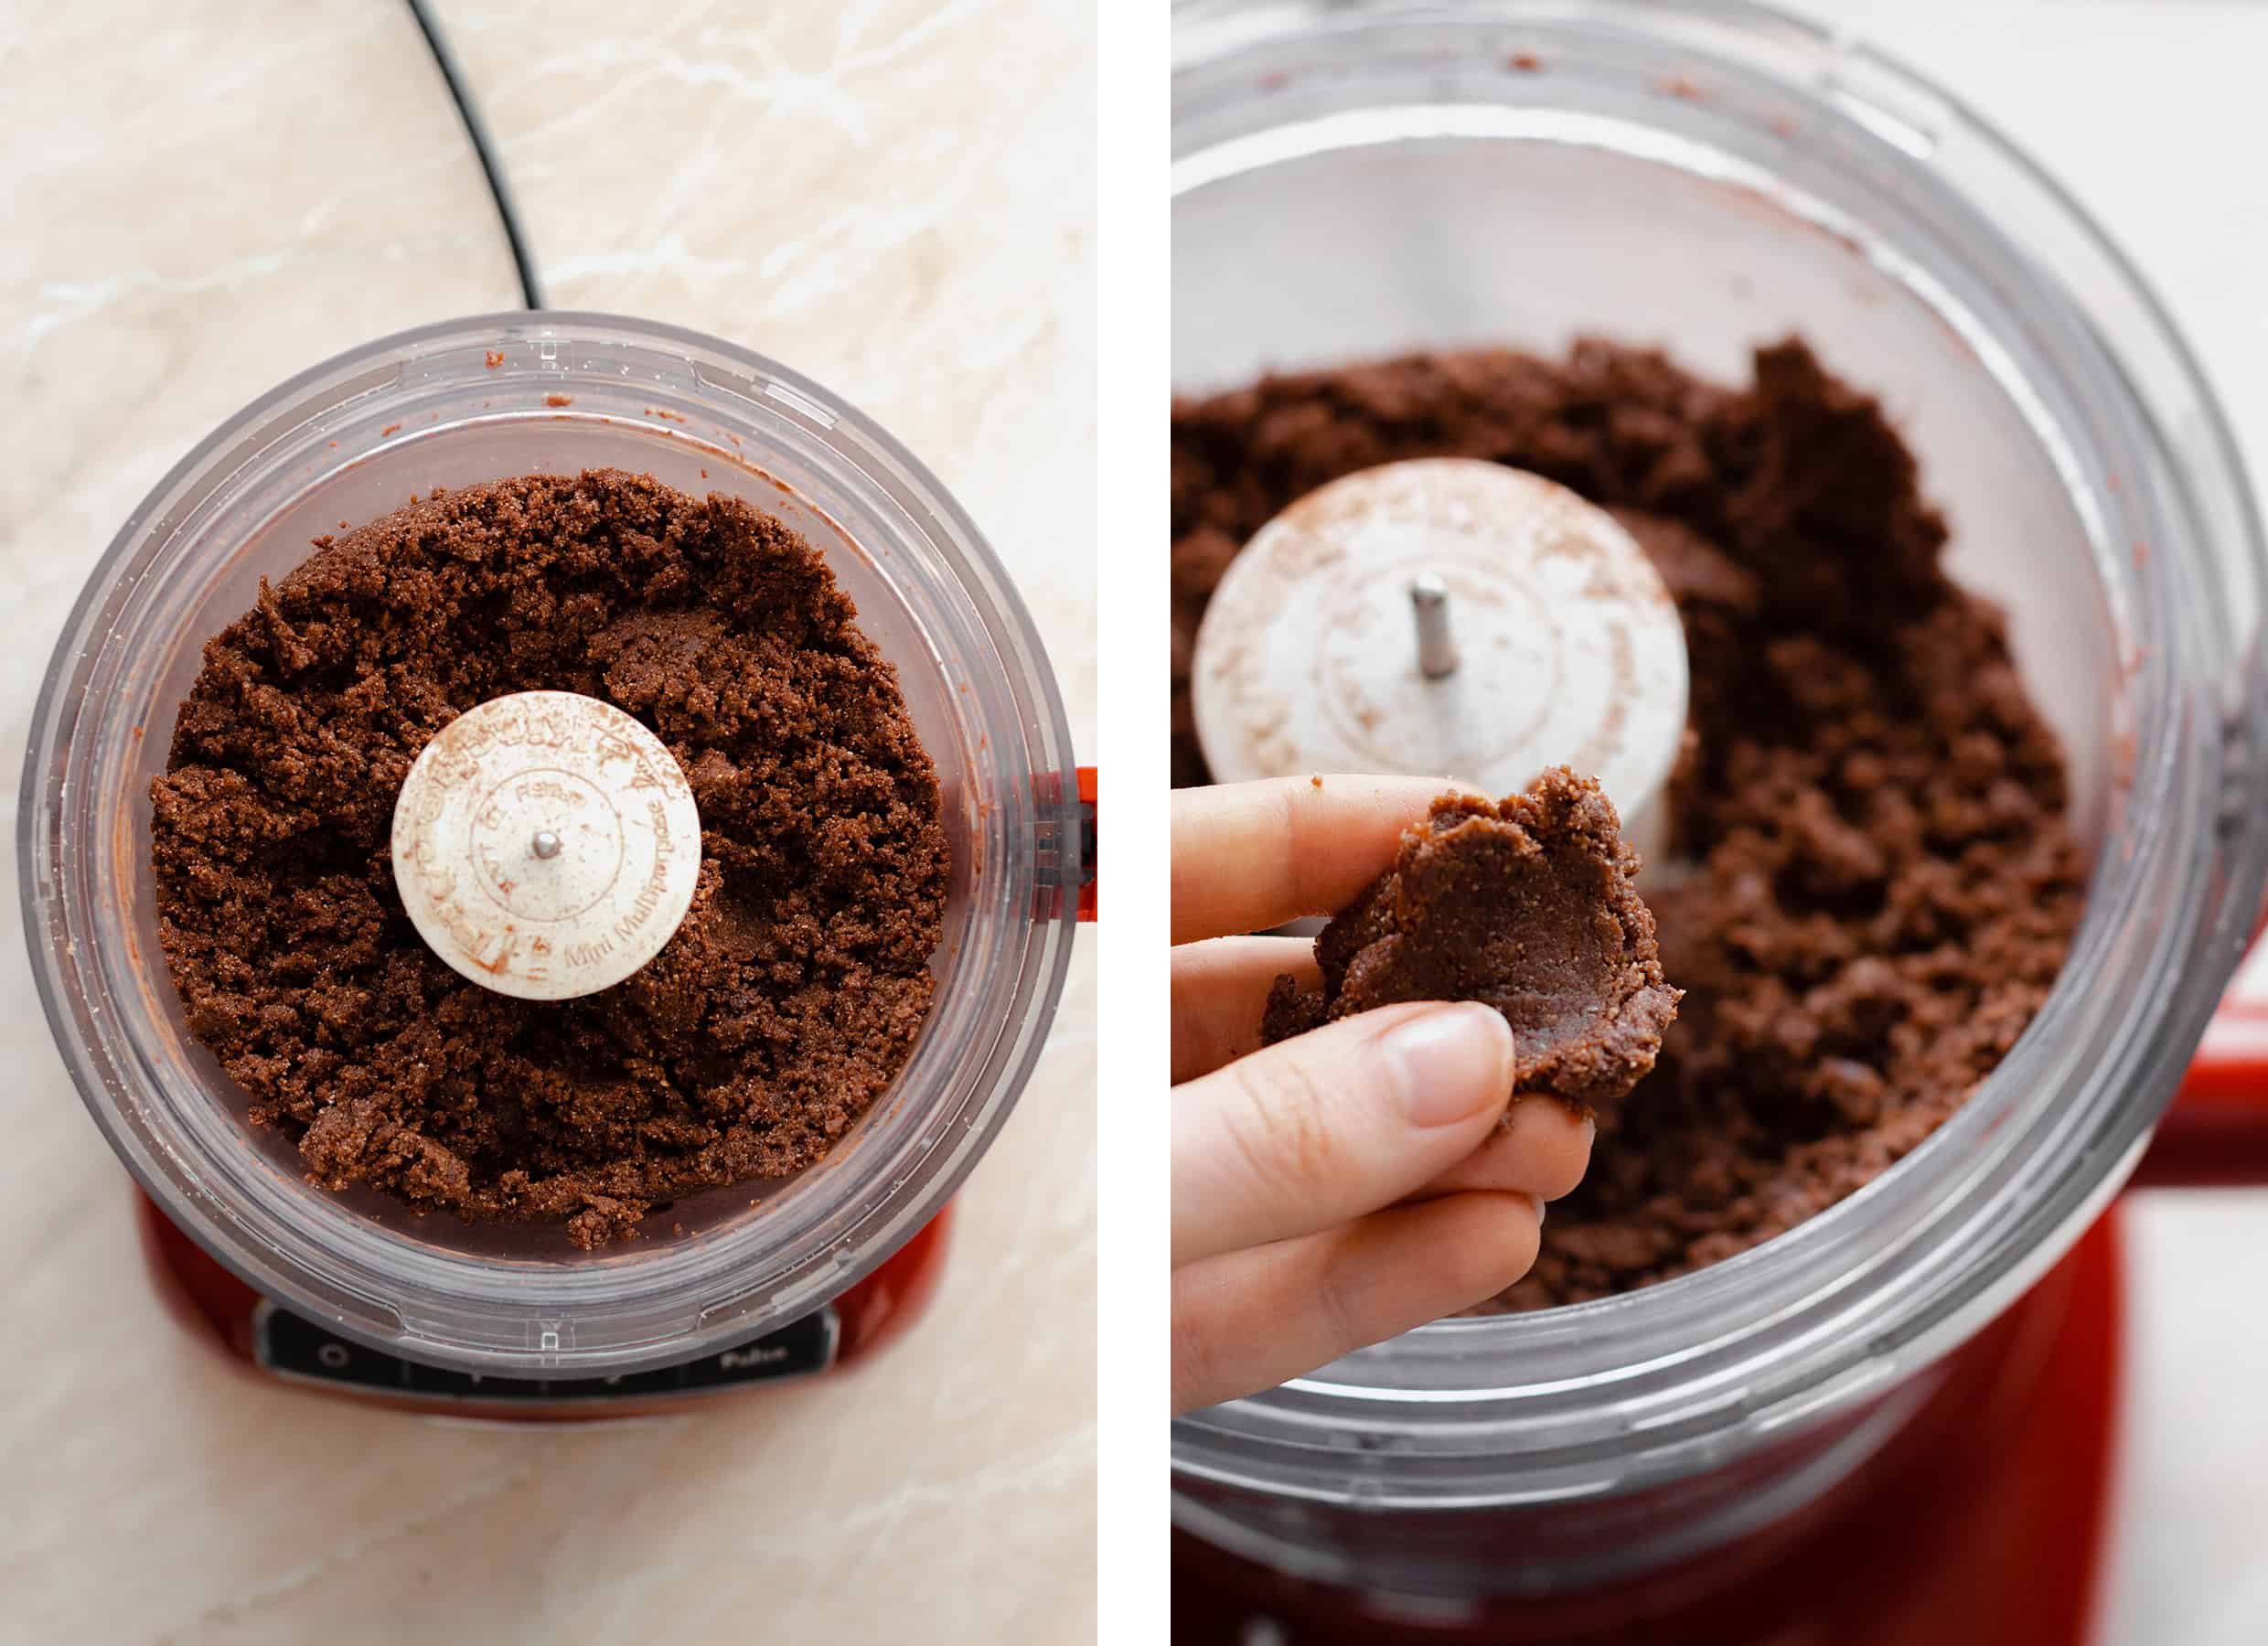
(1526, 905)
(783, 1005)
(1884, 885)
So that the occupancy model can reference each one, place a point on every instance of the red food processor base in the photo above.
(1982, 1521)
(273, 1343)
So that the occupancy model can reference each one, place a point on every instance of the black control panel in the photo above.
(293, 1347)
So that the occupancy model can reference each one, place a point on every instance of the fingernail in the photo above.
(1540, 1209)
(1451, 1062)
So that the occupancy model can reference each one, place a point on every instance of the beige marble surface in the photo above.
(198, 200)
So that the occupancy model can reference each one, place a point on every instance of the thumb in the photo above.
(1333, 1124)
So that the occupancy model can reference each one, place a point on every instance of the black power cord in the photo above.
(531, 288)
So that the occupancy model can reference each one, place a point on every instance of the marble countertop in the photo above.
(205, 198)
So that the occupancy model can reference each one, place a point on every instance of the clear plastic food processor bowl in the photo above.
(1353, 180)
(481, 399)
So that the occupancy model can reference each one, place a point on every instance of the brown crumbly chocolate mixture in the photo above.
(1525, 905)
(787, 1001)
(1886, 884)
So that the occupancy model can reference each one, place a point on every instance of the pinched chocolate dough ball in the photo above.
(1526, 905)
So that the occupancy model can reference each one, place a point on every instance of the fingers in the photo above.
(1335, 1124)
(1539, 1148)
(1248, 856)
(1220, 990)
(1247, 1321)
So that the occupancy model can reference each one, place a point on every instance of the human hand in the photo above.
(1354, 1183)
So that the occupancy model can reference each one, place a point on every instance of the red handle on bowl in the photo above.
(2215, 1134)
(1091, 814)
(1061, 823)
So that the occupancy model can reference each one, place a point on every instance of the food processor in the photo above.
(734, 1286)
(1891, 1424)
